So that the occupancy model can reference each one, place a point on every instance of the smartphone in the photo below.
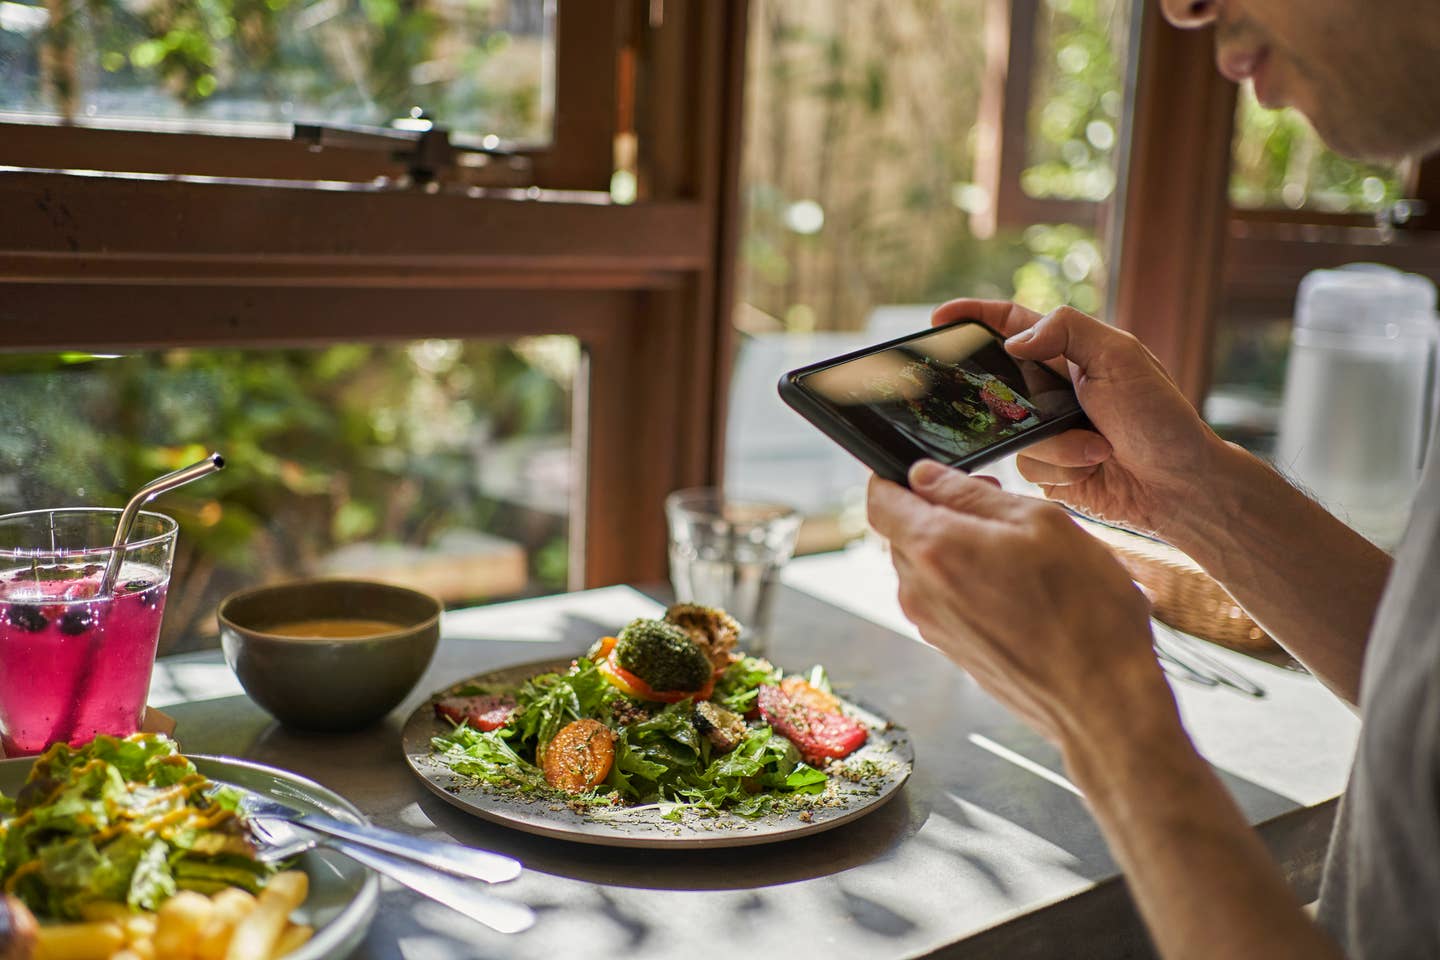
(949, 393)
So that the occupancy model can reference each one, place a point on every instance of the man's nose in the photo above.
(1190, 14)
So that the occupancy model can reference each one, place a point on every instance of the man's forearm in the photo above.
(1308, 579)
(1203, 881)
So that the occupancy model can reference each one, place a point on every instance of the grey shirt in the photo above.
(1381, 893)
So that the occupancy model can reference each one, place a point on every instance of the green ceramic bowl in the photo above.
(328, 684)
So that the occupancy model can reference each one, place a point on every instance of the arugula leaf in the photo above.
(660, 759)
(548, 702)
(487, 756)
(739, 686)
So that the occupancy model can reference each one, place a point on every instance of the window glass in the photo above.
(440, 464)
(1279, 161)
(253, 67)
(1076, 99)
(859, 185)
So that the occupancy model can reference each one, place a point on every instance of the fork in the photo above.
(451, 857)
(279, 840)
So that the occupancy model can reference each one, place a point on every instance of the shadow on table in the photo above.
(986, 791)
(1002, 802)
(868, 840)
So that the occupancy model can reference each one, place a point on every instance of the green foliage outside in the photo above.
(346, 444)
(334, 61)
(351, 444)
(865, 113)
(859, 175)
(1279, 161)
(1074, 126)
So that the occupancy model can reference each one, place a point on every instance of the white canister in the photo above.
(1360, 394)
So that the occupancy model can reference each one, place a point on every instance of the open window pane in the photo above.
(440, 464)
(1278, 161)
(253, 67)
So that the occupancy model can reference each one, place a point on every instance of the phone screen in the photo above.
(951, 393)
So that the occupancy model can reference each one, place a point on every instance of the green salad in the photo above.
(635, 723)
(127, 821)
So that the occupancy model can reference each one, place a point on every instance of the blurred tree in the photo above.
(1279, 161)
(1076, 99)
(858, 180)
(861, 123)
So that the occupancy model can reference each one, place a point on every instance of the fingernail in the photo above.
(925, 473)
(1097, 449)
(1024, 336)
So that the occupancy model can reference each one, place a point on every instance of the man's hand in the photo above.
(1009, 588)
(1048, 622)
(1309, 580)
(1151, 444)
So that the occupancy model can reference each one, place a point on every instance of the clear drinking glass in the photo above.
(727, 552)
(73, 663)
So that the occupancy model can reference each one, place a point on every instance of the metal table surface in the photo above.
(988, 850)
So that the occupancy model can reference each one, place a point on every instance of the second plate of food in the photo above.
(854, 786)
(342, 895)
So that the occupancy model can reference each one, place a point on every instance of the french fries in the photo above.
(257, 936)
(92, 940)
(230, 925)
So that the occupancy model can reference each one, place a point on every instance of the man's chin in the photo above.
(1371, 140)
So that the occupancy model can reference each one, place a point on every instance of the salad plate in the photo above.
(342, 894)
(857, 786)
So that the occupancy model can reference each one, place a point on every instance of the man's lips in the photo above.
(1241, 65)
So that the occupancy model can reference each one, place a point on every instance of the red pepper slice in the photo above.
(485, 712)
(632, 686)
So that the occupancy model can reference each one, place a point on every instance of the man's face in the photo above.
(1365, 72)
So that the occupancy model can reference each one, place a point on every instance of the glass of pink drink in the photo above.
(75, 662)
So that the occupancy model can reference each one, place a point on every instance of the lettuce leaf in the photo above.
(151, 883)
(88, 824)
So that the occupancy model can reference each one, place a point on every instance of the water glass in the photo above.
(73, 662)
(727, 552)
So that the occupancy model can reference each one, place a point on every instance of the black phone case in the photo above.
(886, 465)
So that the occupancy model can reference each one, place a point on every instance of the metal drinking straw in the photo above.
(143, 496)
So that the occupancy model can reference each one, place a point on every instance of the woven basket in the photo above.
(1182, 595)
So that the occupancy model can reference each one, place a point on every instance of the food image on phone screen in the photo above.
(952, 394)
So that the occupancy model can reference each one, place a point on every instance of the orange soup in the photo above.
(336, 628)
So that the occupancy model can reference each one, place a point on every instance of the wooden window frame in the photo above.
(121, 263)
(1004, 122)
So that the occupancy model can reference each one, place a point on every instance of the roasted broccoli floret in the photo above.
(662, 655)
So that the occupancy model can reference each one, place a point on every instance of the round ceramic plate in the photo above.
(886, 759)
(343, 894)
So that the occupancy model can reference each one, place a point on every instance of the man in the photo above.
(1065, 640)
